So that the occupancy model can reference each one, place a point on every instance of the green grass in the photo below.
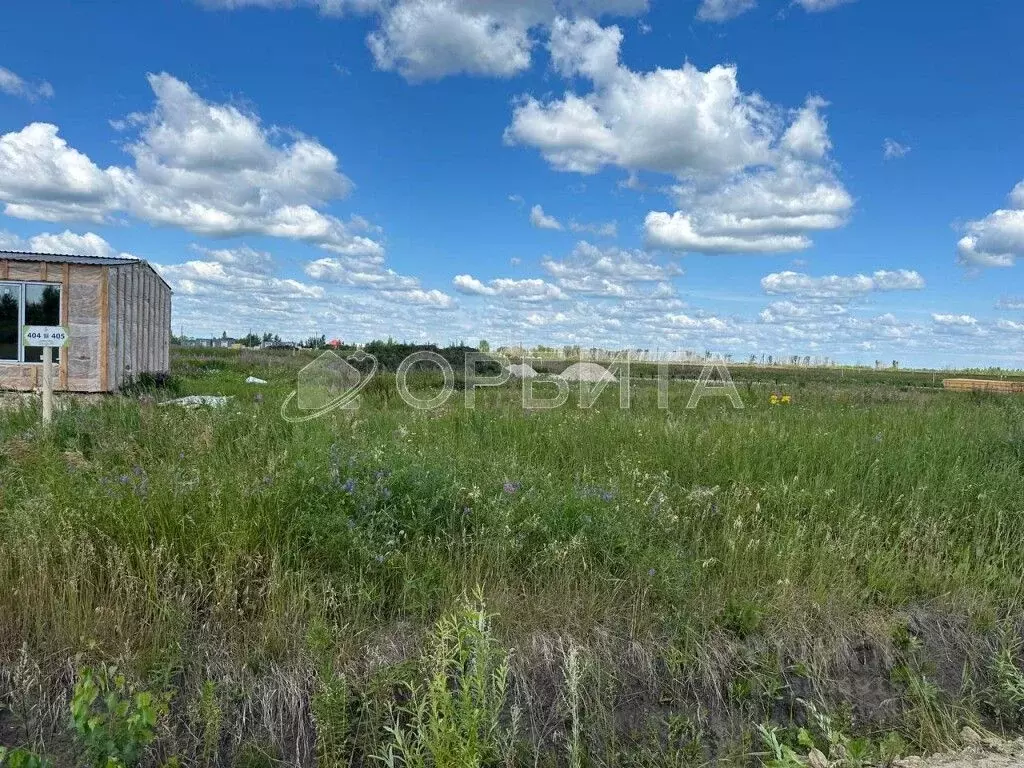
(690, 559)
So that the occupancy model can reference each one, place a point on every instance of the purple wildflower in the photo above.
(350, 486)
(511, 488)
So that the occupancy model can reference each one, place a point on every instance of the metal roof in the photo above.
(57, 258)
(64, 259)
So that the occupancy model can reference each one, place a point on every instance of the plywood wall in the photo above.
(85, 327)
(118, 318)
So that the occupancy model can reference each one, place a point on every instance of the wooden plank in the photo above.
(144, 323)
(165, 350)
(133, 315)
(148, 318)
(122, 298)
(113, 329)
(43, 270)
(27, 271)
(4, 268)
(126, 304)
(104, 328)
(158, 323)
(65, 296)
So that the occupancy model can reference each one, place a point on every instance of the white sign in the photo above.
(45, 336)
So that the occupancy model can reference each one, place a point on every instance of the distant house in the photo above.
(117, 312)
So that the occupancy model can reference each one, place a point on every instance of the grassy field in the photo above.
(496, 586)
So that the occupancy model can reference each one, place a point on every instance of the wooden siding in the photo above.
(140, 323)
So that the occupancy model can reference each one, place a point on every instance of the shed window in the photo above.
(10, 319)
(42, 307)
(24, 304)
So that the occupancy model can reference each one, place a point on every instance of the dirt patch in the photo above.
(987, 753)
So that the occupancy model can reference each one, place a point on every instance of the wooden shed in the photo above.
(117, 312)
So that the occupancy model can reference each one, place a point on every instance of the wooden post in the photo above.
(47, 385)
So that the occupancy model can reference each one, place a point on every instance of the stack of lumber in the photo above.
(983, 385)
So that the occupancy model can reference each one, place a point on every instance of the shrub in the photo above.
(114, 724)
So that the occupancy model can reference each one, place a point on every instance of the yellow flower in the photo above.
(786, 400)
(774, 399)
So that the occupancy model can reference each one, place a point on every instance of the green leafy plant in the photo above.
(824, 744)
(211, 717)
(780, 755)
(330, 700)
(114, 723)
(22, 758)
(1006, 697)
(455, 718)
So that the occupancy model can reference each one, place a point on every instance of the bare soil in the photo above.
(989, 753)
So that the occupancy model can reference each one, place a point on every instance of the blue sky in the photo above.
(816, 178)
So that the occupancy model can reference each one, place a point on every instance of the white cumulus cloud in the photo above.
(724, 10)
(816, 6)
(211, 169)
(13, 84)
(751, 176)
(841, 287)
(326, 7)
(65, 243)
(431, 39)
(1011, 303)
(597, 271)
(998, 239)
(599, 229)
(893, 150)
(527, 290)
(541, 220)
